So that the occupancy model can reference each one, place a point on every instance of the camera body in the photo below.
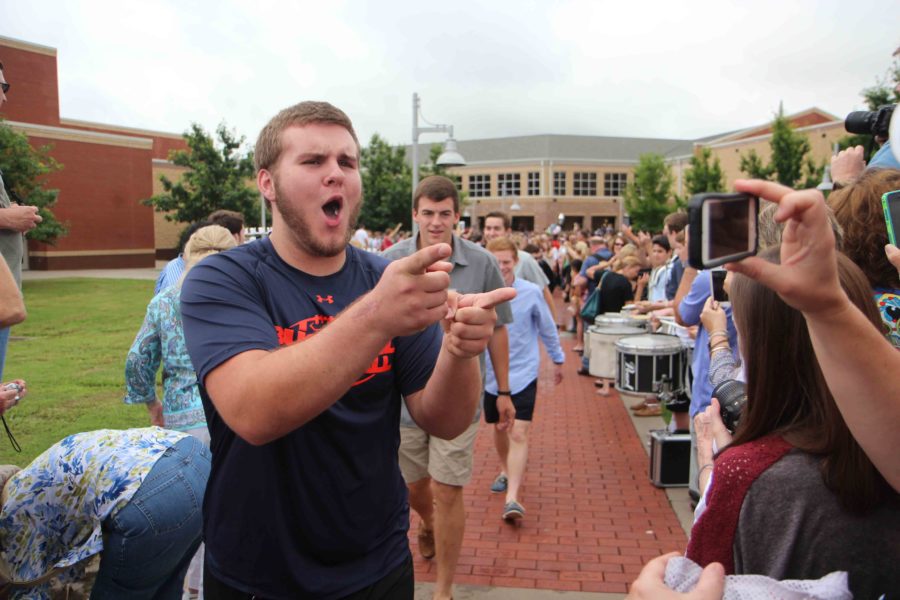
(870, 122)
(732, 396)
(13, 386)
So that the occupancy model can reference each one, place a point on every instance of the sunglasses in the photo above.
(5, 87)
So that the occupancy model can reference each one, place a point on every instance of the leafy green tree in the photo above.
(753, 166)
(788, 164)
(219, 176)
(387, 181)
(703, 175)
(25, 170)
(647, 198)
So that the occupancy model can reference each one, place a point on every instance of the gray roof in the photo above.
(560, 148)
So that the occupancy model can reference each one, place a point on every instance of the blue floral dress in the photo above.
(161, 340)
(55, 507)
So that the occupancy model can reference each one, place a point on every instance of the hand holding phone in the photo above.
(891, 204)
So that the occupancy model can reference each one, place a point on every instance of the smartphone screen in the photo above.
(891, 204)
(728, 228)
(718, 285)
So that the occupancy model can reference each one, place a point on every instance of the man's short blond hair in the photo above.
(268, 144)
(503, 243)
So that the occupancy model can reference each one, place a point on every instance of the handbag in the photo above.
(592, 305)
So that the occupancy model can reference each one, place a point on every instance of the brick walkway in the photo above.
(593, 517)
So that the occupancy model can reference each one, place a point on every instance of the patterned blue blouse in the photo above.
(55, 507)
(161, 340)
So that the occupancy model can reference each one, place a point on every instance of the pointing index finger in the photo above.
(418, 262)
(494, 297)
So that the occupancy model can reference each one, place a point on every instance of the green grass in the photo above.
(71, 351)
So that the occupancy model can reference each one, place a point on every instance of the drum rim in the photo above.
(633, 331)
(675, 345)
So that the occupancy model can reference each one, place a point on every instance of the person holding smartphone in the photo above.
(859, 211)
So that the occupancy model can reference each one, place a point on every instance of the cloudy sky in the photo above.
(490, 68)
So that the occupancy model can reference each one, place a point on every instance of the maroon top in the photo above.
(712, 537)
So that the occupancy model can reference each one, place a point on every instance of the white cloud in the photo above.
(656, 69)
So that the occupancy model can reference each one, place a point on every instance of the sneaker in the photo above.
(651, 410)
(513, 511)
(499, 485)
(426, 542)
(639, 405)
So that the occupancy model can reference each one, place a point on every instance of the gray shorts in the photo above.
(446, 461)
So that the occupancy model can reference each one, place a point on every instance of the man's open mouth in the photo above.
(332, 208)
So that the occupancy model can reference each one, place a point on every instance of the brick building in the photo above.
(107, 171)
(537, 178)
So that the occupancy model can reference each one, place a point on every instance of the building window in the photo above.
(584, 184)
(479, 186)
(534, 183)
(559, 183)
(614, 184)
(509, 184)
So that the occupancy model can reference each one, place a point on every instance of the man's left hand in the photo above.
(468, 328)
(507, 412)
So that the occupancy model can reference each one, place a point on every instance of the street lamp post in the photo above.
(450, 157)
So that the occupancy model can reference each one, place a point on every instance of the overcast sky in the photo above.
(490, 68)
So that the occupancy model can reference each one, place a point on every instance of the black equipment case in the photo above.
(670, 456)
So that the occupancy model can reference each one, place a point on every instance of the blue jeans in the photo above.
(148, 544)
(4, 342)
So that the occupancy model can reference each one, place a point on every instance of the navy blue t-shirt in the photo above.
(321, 512)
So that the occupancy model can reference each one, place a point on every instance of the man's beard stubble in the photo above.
(301, 231)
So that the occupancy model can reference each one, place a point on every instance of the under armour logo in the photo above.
(328, 299)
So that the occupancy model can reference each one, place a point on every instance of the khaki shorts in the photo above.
(446, 461)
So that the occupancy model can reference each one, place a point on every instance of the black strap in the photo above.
(12, 438)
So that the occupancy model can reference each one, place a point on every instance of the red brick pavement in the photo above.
(593, 517)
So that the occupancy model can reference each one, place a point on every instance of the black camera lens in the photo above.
(732, 396)
(870, 122)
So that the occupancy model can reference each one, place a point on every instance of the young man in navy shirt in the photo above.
(303, 346)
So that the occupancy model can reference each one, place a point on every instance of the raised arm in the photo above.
(861, 367)
(410, 296)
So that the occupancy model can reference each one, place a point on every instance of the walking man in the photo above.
(531, 321)
(436, 470)
(303, 346)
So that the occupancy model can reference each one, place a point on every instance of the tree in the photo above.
(219, 177)
(387, 185)
(703, 176)
(647, 198)
(788, 164)
(24, 172)
(753, 166)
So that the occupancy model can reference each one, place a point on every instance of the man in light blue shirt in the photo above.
(531, 320)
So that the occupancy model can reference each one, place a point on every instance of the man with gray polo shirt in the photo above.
(436, 470)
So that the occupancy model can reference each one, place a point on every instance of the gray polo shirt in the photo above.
(474, 271)
(12, 243)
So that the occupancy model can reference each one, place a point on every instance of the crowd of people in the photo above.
(320, 382)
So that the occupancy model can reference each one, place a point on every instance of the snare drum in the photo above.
(618, 320)
(642, 361)
(603, 348)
